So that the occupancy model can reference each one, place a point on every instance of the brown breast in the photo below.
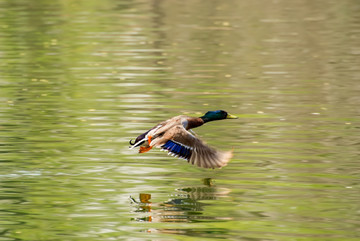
(194, 122)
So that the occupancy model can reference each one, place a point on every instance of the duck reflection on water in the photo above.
(184, 206)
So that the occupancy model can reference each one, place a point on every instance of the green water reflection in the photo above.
(183, 206)
(78, 79)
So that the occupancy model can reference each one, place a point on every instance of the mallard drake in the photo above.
(176, 137)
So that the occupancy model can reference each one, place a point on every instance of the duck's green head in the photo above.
(217, 115)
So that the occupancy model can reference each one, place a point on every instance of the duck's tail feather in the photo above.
(138, 141)
(136, 144)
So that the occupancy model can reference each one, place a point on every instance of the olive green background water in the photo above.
(78, 79)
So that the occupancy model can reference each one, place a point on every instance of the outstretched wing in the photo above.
(181, 143)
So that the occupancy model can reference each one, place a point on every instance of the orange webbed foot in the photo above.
(144, 149)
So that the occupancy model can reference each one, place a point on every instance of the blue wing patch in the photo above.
(177, 149)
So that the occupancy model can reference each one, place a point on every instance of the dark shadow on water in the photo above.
(184, 206)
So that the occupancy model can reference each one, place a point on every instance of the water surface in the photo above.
(79, 79)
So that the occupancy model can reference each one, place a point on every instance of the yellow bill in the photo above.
(230, 116)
